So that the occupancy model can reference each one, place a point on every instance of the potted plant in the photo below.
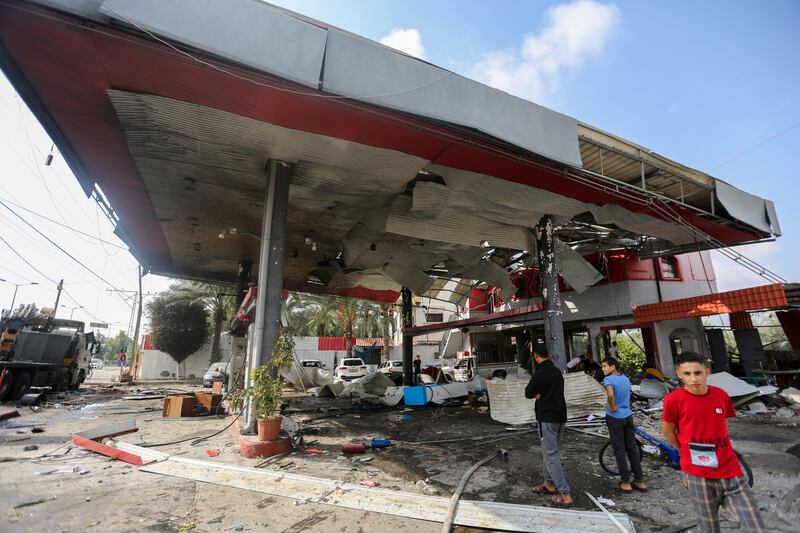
(125, 376)
(264, 391)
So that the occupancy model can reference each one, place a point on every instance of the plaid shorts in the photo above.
(732, 493)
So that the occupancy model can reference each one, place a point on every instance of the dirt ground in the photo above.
(71, 490)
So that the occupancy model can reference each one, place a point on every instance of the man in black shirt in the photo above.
(417, 369)
(547, 386)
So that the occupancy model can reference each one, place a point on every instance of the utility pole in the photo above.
(135, 355)
(58, 297)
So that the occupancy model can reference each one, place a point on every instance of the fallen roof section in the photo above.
(171, 110)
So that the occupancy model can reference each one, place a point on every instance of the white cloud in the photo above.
(405, 40)
(573, 33)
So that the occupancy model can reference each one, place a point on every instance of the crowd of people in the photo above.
(694, 421)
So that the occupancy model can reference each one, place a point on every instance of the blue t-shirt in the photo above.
(622, 395)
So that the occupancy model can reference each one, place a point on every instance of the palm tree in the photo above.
(311, 314)
(217, 299)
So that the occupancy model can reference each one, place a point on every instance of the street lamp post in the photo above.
(72, 309)
(16, 286)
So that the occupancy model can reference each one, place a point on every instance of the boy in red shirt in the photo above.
(695, 421)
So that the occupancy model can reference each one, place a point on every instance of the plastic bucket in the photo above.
(417, 395)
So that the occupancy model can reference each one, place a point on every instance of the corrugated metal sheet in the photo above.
(584, 395)
(508, 404)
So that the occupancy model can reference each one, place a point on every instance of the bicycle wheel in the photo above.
(608, 461)
(745, 468)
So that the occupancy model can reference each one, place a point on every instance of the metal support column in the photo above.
(270, 266)
(242, 279)
(553, 326)
(277, 243)
(408, 341)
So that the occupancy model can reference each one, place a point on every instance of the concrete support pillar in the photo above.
(553, 322)
(407, 315)
(719, 352)
(270, 273)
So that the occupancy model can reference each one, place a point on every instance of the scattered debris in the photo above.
(313, 451)
(734, 386)
(35, 502)
(791, 394)
(30, 448)
(610, 516)
(212, 453)
(89, 439)
(37, 429)
(353, 447)
(9, 414)
(33, 398)
(370, 483)
(757, 407)
(380, 443)
(794, 450)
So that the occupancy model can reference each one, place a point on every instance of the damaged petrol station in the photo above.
(306, 158)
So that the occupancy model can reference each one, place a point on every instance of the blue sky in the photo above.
(713, 85)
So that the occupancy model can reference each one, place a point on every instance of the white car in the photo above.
(391, 367)
(351, 368)
(96, 363)
(312, 363)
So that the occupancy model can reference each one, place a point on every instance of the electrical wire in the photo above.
(6, 200)
(59, 247)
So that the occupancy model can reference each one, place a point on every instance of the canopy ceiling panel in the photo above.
(179, 146)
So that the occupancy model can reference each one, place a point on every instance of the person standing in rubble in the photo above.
(619, 419)
(547, 386)
(417, 369)
(695, 421)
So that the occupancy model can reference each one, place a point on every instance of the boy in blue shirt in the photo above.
(619, 419)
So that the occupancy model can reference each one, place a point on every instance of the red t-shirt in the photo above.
(702, 421)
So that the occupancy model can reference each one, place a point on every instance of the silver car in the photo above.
(216, 372)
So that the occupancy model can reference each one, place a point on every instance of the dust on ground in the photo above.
(75, 490)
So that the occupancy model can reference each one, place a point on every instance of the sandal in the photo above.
(641, 487)
(542, 489)
(558, 499)
(624, 491)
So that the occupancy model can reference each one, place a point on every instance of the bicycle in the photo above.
(609, 462)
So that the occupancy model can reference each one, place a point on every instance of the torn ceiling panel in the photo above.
(641, 224)
(576, 271)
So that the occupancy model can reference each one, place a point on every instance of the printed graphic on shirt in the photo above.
(703, 455)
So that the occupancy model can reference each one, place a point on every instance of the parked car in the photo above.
(216, 372)
(351, 368)
(312, 363)
(96, 363)
(391, 367)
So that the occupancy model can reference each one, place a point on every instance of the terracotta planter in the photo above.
(269, 428)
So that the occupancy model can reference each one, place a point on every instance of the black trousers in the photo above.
(623, 440)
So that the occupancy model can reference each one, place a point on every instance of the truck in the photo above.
(43, 351)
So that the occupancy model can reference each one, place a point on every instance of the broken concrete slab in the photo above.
(791, 394)
(731, 384)
(306, 489)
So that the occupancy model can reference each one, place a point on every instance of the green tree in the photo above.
(178, 327)
(631, 356)
(114, 345)
(218, 301)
